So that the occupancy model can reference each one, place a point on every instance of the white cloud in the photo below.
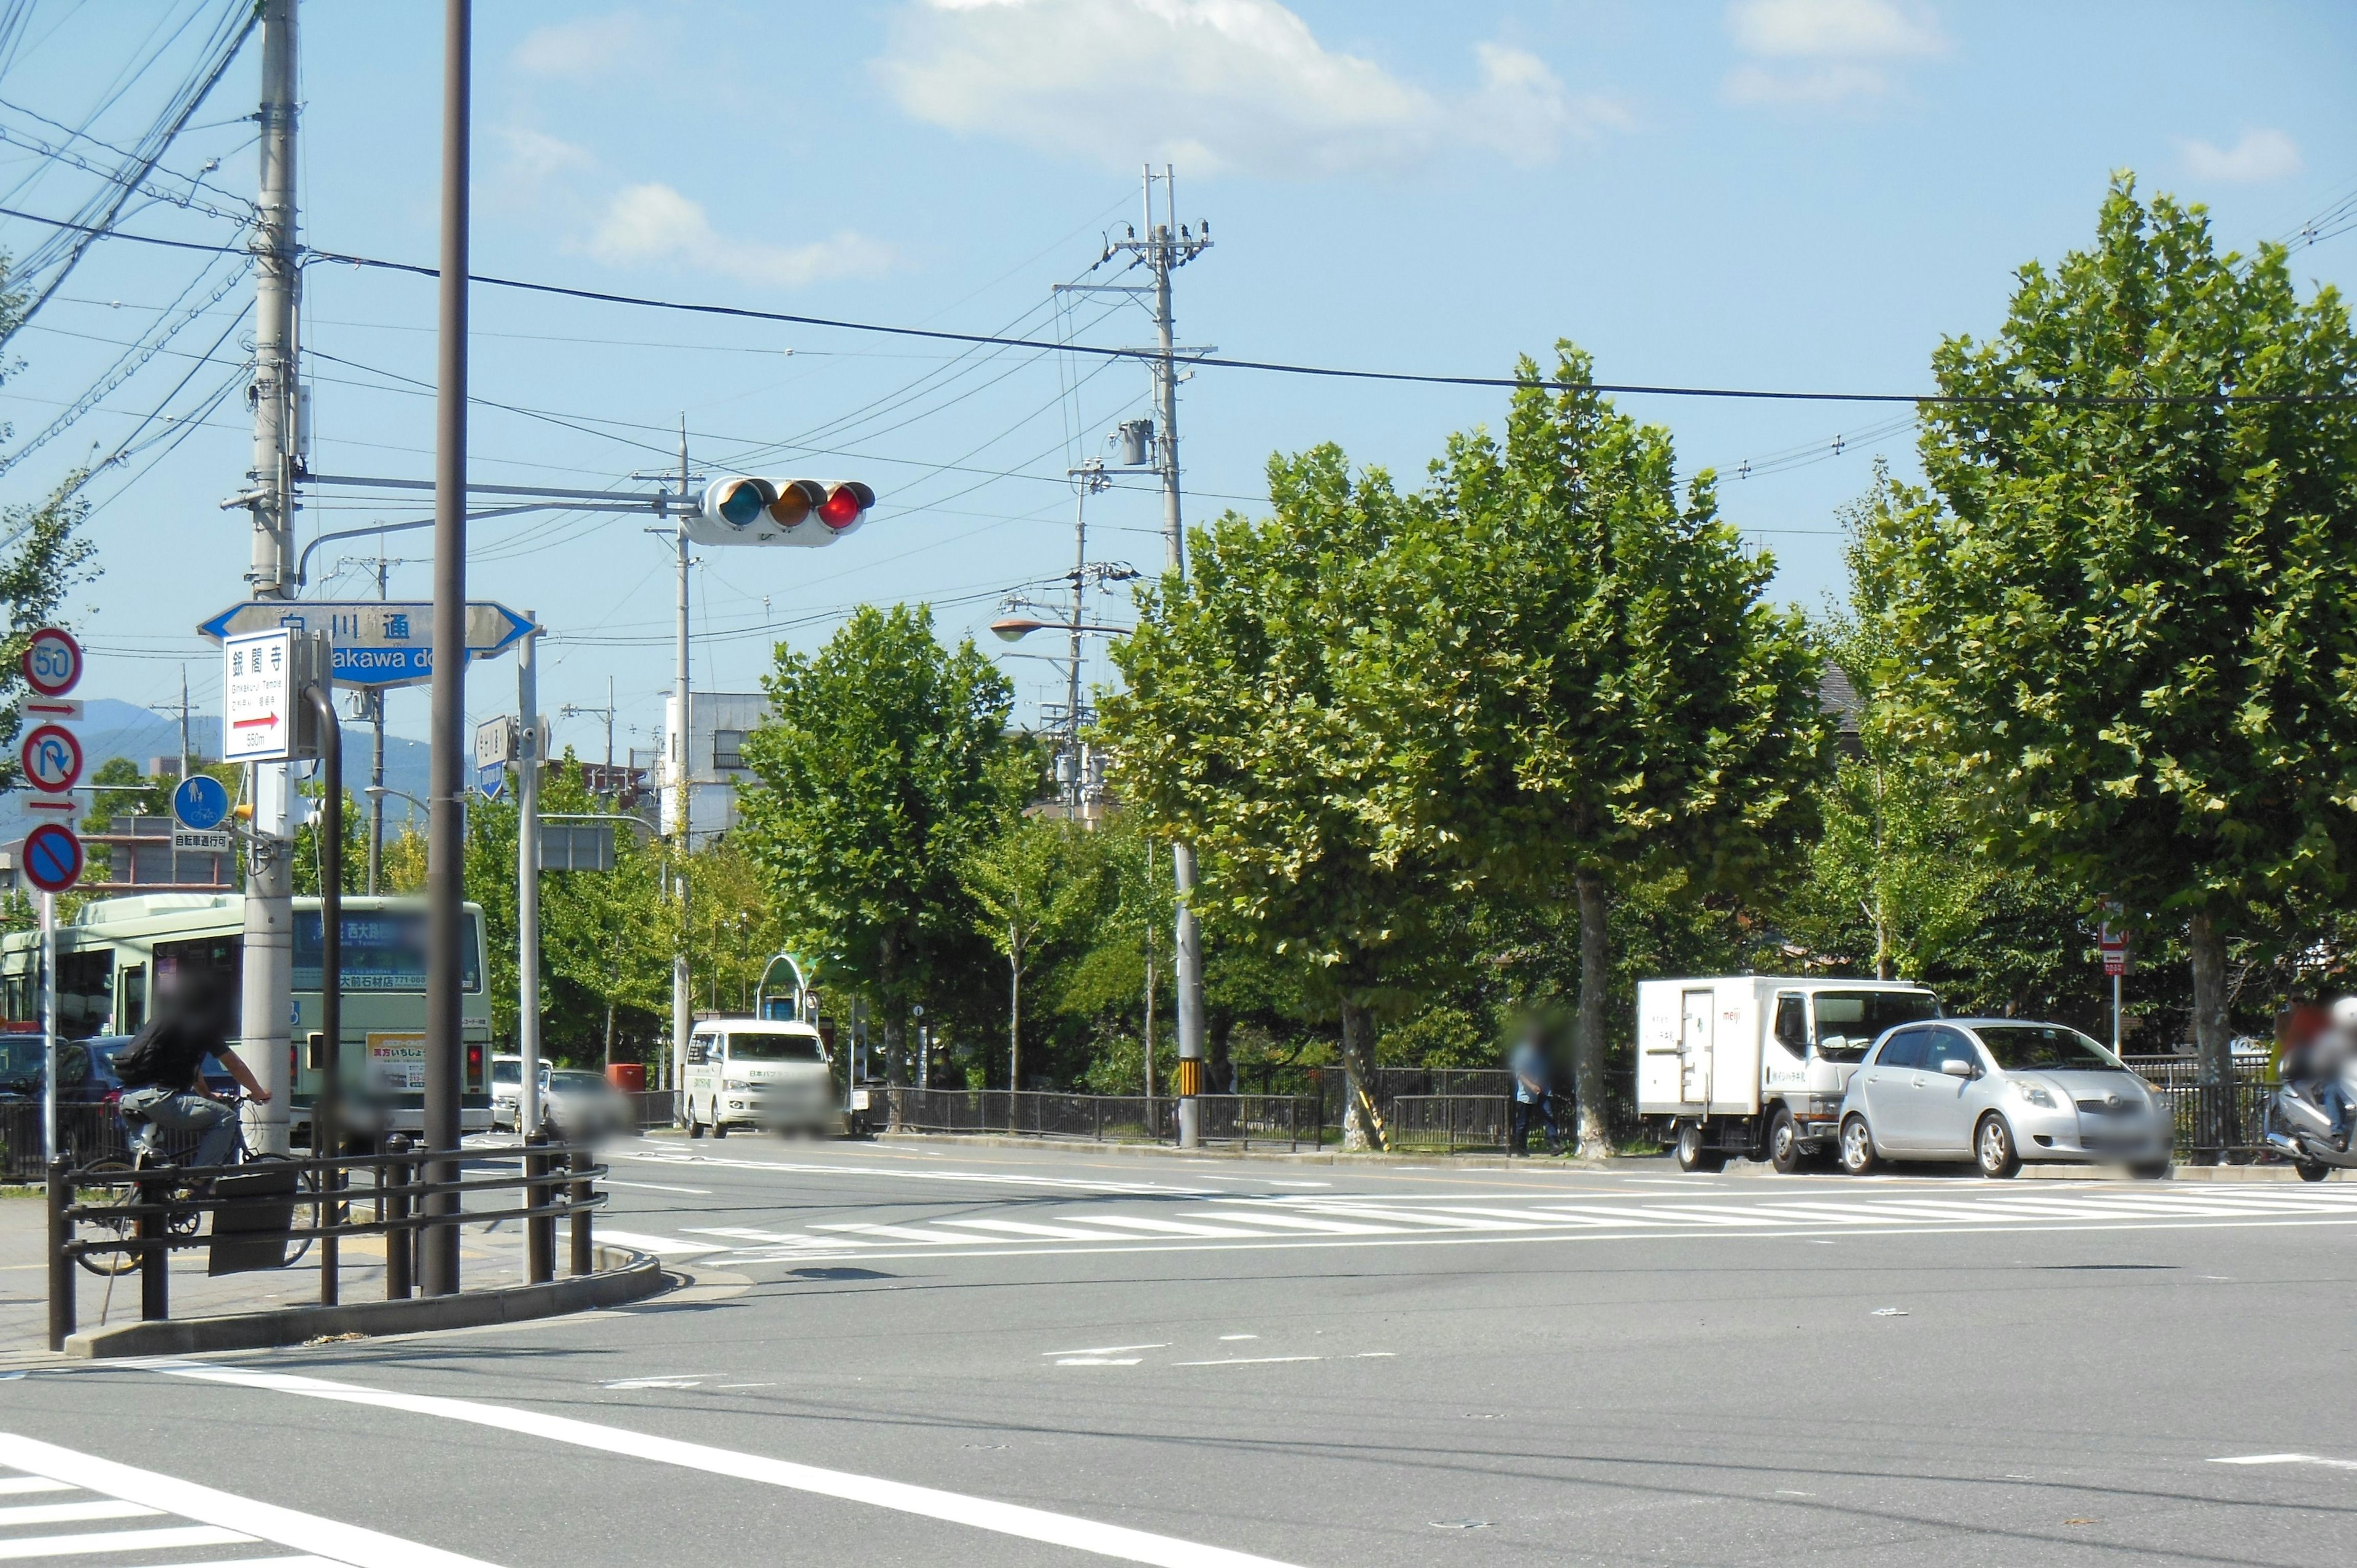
(587, 49)
(1211, 84)
(1822, 53)
(653, 224)
(2260, 156)
(534, 157)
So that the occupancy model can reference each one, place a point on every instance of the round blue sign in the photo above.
(200, 802)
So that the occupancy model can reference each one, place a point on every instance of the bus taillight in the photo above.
(474, 1066)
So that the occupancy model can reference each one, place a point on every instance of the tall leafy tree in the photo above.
(1277, 716)
(1029, 884)
(2126, 607)
(886, 761)
(1621, 701)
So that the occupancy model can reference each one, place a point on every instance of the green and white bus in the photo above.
(117, 953)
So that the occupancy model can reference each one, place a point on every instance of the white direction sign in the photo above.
(376, 643)
(258, 692)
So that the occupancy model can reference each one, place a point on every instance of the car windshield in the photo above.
(506, 1070)
(778, 1047)
(1849, 1021)
(578, 1082)
(2031, 1047)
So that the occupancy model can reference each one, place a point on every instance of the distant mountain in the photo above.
(110, 729)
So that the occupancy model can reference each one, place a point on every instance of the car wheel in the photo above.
(1693, 1156)
(719, 1128)
(1784, 1150)
(1993, 1148)
(1858, 1156)
(695, 1128)
(2150, 1170)
(2312, 1170)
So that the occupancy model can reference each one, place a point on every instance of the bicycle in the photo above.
(182, 1223)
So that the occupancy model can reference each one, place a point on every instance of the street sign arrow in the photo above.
(377, 642)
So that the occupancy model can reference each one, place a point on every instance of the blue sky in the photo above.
(1768, 193)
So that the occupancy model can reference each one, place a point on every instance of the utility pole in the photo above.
(528, 880)
(1088, 478)
(582, 709)
(268, 987)
(681, 798)
(1163, 248)
(374, 699)
(445, 891)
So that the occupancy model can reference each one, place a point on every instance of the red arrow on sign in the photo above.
(249, 723)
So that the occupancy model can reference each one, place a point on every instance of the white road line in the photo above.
(2288, 1459)
(254, 1562)
(1024, 1227)
(658, 1187)
(224, 1518)
(1066, 1183)
(74, 1513)
(173, 1536)
(32, 1484)
(980, 1513)
(1162, 1227)
(661, 1246)
(1248, 1361)
(895, 1232)
(1249, 1211)
(1410, 1216)
(1615, 1215)
(1530, 1217)
(774, 1238)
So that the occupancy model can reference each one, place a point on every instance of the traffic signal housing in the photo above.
(745, 508)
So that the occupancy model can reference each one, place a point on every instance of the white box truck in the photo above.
(1756, 1065)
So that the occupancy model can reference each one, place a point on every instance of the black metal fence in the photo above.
(86, 1131)
(1449, 1123)
(267, 1213)
(1245, 1119)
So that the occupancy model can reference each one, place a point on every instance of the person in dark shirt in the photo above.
(1533, 1094)
(163, 1070)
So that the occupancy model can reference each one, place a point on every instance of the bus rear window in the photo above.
(384, 949)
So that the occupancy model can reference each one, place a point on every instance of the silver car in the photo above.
(1999, 1091)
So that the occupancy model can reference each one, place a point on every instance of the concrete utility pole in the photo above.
(445, 891)
(680, 800)
(267, 989)
(375, 697)
(1163, 248)
(528, 880)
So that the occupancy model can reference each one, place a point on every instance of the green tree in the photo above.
(1619, 702)
(1277, 717)
(886, 761)
(2126, 608)
(1028, 884)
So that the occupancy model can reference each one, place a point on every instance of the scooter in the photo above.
(2300, 1127)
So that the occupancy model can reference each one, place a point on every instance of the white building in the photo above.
(717, 725)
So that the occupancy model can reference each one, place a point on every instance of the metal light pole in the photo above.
(682, 796)
(446, 892)
(528, 881)
(268, 953)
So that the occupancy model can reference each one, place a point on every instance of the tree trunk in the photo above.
(1220, 1067)
(609, 1036)
(1587, 1051)
(1014, 1033)
(1360, 1131)
(2212, 1040)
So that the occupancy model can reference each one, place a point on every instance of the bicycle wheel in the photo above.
(307, 1202)
(109, 1264)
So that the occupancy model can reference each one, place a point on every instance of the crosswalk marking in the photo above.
(173, 1536)
(661, 1246)
(74, 1513)
(1340, 1218)
(32, 1484)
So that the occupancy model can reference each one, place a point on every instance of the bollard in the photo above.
(326, 1214)
(155, 1249)
(400, 1240)
(540, 1229)
(61, 1267)
(582, 1262)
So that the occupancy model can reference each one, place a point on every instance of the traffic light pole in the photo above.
(528, 881)
(267, 963)
(446, 926)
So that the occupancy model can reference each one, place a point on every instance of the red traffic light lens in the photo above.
(842, 506)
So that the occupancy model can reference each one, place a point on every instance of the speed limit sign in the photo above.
(52, 662)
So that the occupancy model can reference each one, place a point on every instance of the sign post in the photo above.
(2114, 944)
(52, 857)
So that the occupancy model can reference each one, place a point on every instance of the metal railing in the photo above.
(653, 1107)
(2220, 1120)
(1449, 1123)
(1245, 1119)
(86, 1131)
(154, 1211)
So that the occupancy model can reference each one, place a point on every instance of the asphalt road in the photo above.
(975, 1357)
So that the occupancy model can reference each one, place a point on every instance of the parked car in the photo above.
(1999, 1091)
(86, 1072)
(582, 1105)
(507, 1090)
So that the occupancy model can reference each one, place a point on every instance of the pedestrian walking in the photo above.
(1528, 1063)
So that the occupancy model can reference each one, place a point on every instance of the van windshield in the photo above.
(778, 1047)
(1849, 1021)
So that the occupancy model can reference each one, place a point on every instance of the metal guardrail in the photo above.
(1244, 1120)
(653, 1107)
(2216, 1121)
(159, 1209)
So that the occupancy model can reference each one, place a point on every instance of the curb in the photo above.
(623, 1276)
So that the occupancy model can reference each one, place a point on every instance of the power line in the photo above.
(1275, 367)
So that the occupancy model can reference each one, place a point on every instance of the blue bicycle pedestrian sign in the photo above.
(200, 802)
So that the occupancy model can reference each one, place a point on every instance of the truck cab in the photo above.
(758, 1072)
(1756, 1065)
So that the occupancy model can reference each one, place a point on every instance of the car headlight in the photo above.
(737, 1085)
(2036, 1093)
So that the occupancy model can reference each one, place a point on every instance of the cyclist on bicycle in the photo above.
(162, 1070)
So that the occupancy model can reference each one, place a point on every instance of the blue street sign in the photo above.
(200, 802)
(376, 643)
(492, 779)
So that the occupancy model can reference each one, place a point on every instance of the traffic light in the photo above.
(743, 509)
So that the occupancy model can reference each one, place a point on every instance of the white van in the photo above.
(758, 1072)
(1755, 1065)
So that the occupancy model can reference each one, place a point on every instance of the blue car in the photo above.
(86, 1073)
